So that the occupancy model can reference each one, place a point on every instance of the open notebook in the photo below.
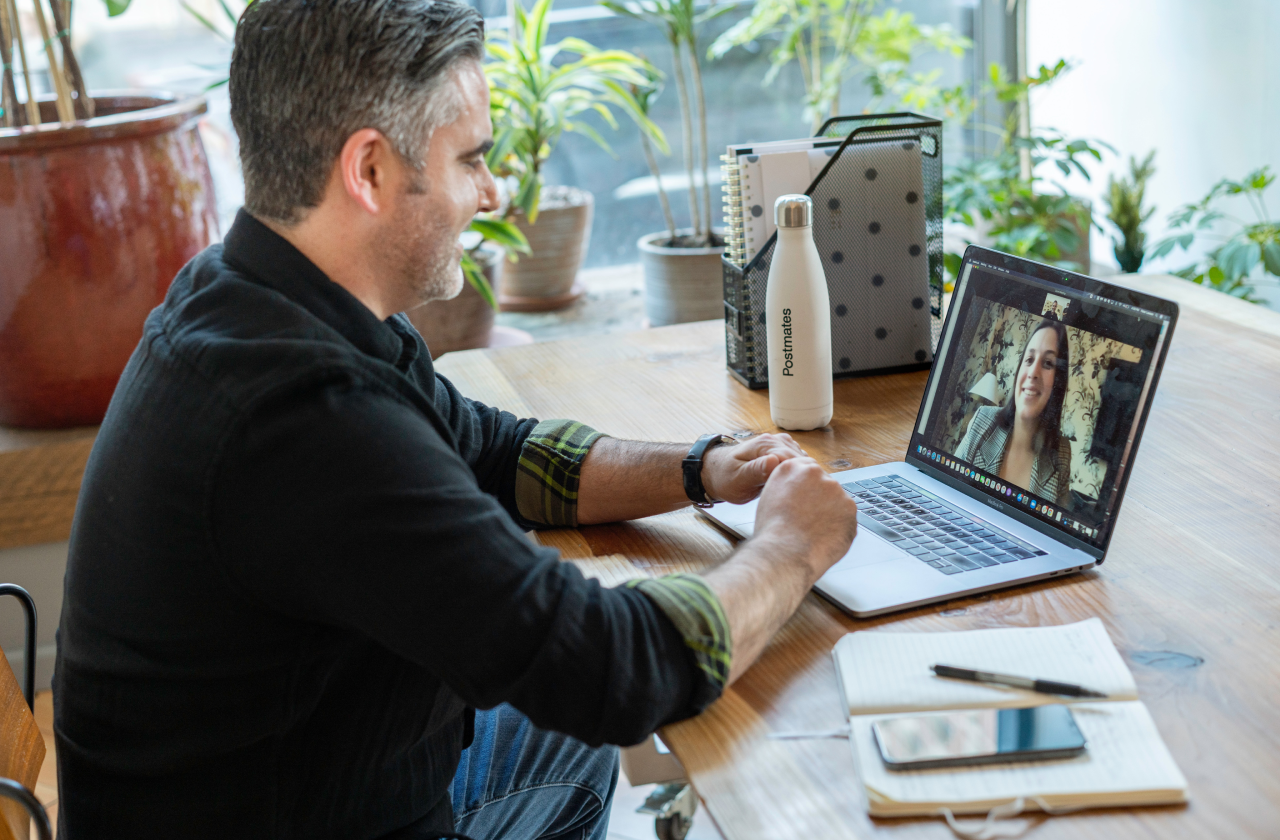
(884, 674)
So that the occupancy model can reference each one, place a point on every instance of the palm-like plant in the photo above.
(834, 40)
(535, 100)
(645, 97)
(679, 20)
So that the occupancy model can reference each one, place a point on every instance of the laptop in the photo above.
(974, 506)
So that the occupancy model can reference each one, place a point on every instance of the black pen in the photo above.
(1041, 686)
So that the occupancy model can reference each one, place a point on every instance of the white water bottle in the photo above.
(798, 322)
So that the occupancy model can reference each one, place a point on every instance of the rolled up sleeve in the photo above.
(550, 470)
(699, 617)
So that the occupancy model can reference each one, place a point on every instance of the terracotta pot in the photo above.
(95, 221)
(544, 279)
(681, 284)
(464, 322)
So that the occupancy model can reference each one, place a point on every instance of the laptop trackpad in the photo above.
(867, 549)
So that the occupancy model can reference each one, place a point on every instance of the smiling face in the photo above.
(1034, 384)
(437, 204)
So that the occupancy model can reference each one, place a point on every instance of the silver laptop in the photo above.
(1023, 445)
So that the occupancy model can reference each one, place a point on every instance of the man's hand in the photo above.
(736, 473)
(807, 514)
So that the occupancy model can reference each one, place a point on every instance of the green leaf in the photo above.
(1271, 257)
(714, 11)
(231, 16)
(204, 21)
(1166, 245)
(116, 7)
(502, 233)
(1065, 238)
(1183, 215)
(1238, 257)
(952, 262)
(621, 9)
(528, 196)
(475, 276)
(1260, 179)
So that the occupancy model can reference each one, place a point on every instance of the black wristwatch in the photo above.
(692, 468)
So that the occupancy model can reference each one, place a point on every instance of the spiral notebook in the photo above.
(755, 175)
(1126, 763)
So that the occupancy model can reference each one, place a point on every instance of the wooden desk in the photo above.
(1190, 591)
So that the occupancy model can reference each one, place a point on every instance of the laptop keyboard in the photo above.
(931, 530)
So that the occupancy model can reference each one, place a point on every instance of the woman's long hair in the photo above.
(1051, 417)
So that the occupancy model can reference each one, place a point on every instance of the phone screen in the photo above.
(978, 736)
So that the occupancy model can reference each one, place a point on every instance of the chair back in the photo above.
(21, 744)
(21, 751)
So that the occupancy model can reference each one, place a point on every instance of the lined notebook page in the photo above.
(1126, 762)
(889, 672)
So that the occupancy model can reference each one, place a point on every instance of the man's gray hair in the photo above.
(307, 74)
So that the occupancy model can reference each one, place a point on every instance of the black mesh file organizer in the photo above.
(884, 284)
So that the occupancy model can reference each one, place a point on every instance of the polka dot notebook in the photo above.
(871, 230)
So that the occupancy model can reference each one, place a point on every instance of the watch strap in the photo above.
(691, 468)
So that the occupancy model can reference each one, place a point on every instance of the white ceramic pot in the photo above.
(681, 284)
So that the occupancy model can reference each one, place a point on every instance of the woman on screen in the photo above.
(1022, 441)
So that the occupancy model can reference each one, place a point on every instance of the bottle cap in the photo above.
(793, 211)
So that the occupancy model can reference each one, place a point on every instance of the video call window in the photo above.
(1042, 388)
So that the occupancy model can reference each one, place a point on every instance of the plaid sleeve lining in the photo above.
(698, 615)
(549, 469)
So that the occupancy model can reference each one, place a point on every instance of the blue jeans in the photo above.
(518, 781)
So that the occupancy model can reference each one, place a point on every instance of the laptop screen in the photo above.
(1040, 390)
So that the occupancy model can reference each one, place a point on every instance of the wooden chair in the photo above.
(21, 744)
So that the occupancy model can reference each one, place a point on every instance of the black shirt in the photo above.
(296, 564)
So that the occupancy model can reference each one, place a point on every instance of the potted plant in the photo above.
(834, 40)
(105, 198)
(1247, 255)
(682, 273)
(1002, 200)
(536, 97)
(1124, 210)
(466, 321)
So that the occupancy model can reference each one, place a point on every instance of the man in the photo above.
(299, 564)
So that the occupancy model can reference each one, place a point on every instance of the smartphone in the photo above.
(978, 736)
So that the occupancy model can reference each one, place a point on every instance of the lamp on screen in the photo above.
(986, 389)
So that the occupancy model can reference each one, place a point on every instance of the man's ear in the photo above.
(364, 169)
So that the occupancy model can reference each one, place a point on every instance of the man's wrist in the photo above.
(788, 549)
(694, 472)
(710, 470)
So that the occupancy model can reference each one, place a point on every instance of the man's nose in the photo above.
(488, 193)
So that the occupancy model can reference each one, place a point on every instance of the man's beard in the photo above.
(424, 255)
(426, 260)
